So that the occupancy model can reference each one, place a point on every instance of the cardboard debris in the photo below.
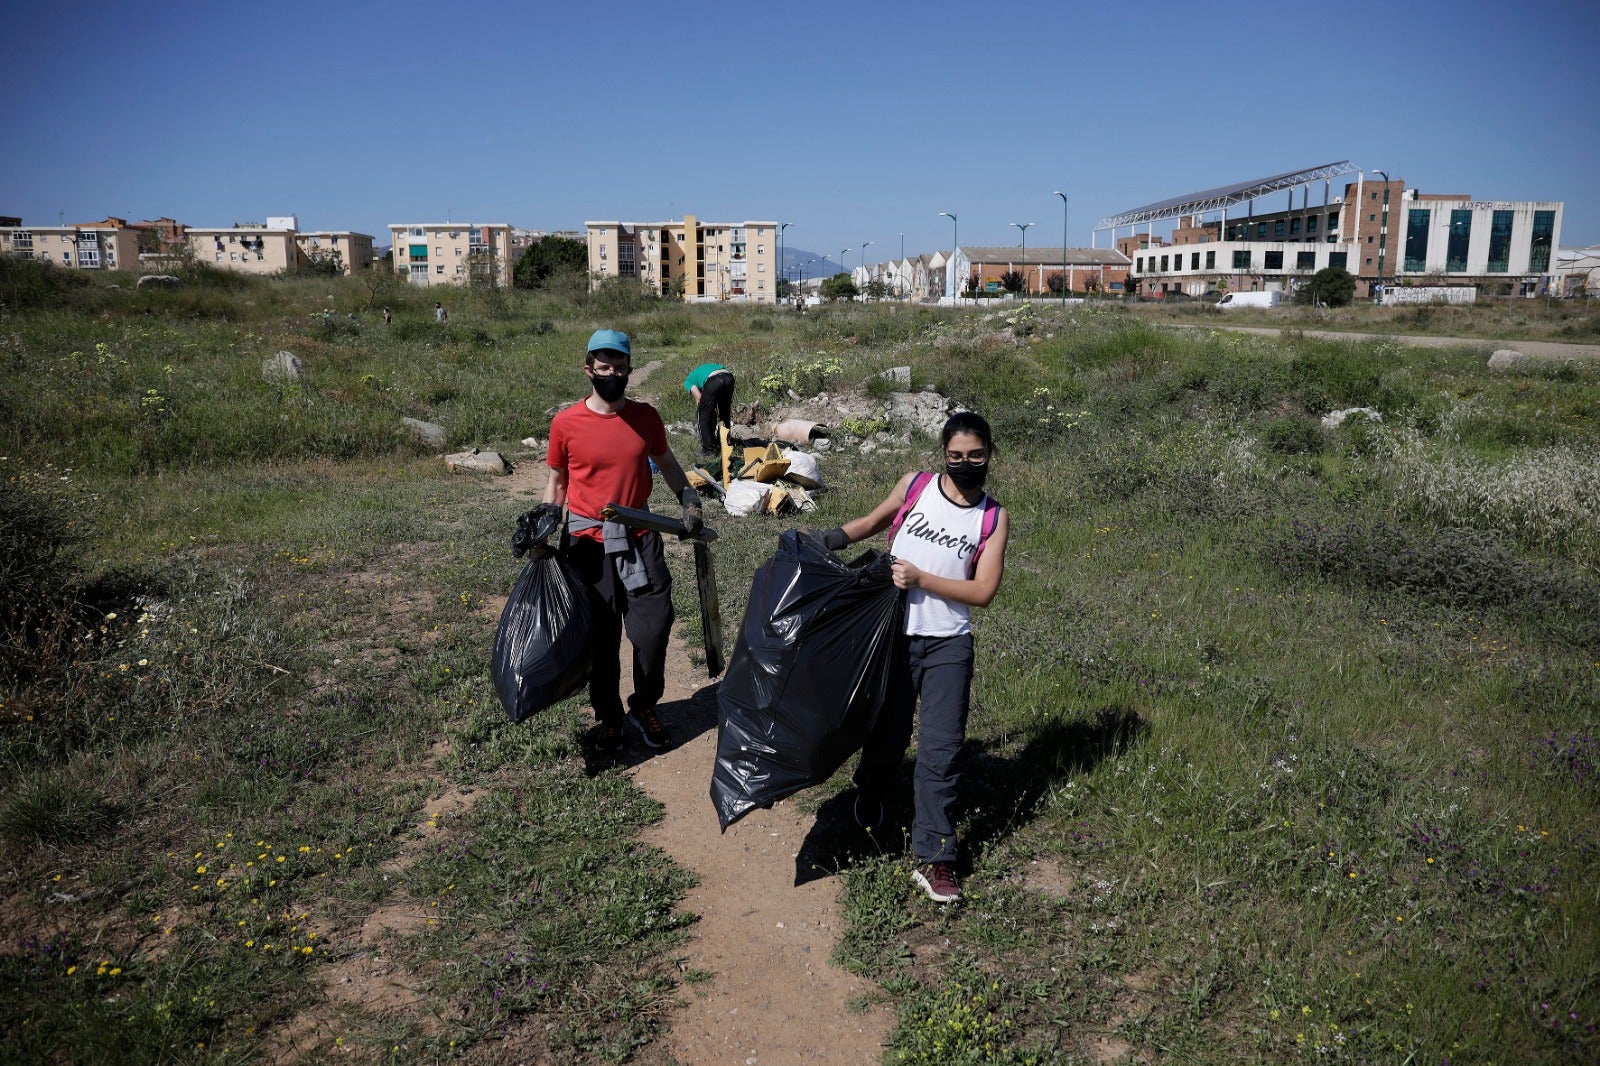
(775, 500)
(764, 464)
(727, 457)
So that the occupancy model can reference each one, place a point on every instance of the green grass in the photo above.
(1283, 742)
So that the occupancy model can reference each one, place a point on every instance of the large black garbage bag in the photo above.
(541, 650)
(808, 674)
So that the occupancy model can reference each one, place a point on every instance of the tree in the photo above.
(1057, 284)
(548, 259)
(1330, 287)
(839, 287)
(326, 263)
(1011, 281)
(783, 288)
(877, 289)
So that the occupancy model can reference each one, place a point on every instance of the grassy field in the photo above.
(1284, 744)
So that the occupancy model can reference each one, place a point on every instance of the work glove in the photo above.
(835, 539)
(693, 523)
(534, 528)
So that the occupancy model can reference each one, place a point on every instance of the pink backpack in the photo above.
(991, 514)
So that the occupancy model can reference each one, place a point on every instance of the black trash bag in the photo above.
(808, 675)
(541, 650)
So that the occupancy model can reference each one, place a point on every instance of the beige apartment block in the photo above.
(700, 260)
(246, 249)
(94, 246)
(354, 250)
(450, 253)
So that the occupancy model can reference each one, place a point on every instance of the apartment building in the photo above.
(351, 250)
(111, 245)
(697, 260)
(452, 253)
(248, 248)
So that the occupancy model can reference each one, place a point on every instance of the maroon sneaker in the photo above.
(938, 881)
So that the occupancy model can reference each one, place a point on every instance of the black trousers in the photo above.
(645, 612)
(716, 408)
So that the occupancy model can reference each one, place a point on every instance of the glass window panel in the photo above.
(1417, 239)
(1544, 227)
(1460, 239)
(1500, 242)
(1274, 261)
(1241, 260)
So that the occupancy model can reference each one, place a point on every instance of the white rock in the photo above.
(1507, 359)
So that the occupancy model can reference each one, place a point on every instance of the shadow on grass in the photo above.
(1000, 794)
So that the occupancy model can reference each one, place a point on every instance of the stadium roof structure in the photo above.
(1224, 197)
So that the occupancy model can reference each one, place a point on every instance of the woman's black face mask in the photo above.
(967, 475)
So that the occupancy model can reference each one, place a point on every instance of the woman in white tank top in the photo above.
(949, 548)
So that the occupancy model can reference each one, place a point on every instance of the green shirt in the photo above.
(697, 377)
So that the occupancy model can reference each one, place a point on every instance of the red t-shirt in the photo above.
(606, 456)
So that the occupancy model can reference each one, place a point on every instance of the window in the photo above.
(438, 249)
(1455, 256)
(1273, 261)
(1372, 218)
(1211, 260)
(1138, 264)
(22, 239)
(1163, 264)
(1294, 226)
(1311, 224)
(455, 234)
(458, 251)
(761, 268)
(1277, 228)
(439, 269)
(761, 249)
(460, 269)
(1337, 260)
(1417, 220)
(1544, 226)
(1241, 260)
(219, 257)
(416, 231)
(1261, 229)
(1333, 220)
(1194, 261)
(1305, 260)
(233, 257)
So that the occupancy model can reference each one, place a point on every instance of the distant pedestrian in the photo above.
(711, 385)
(386, 316)
(439, 313)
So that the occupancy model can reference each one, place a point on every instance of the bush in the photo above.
(46, 810)
(1328, 287)
(1293, 436)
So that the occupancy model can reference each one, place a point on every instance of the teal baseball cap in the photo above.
(610, 340)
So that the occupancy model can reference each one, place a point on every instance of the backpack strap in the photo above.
(913, 491)
(991, 518)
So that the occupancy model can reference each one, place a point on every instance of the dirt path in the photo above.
(772, 996)
(1532, 349)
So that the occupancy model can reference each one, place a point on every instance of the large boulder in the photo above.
(425, 433)
(1507, 359)
(477, 462)
(1335, 419)
(285, 366)
(159, 281)
(925, 411)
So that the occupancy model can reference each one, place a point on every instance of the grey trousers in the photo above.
(939, 670)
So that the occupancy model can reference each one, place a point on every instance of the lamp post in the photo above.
(864, 264)
(783, 270)
(1064, 285)
(955, 238)
(842, 268)
(1383, 231)
(1023, 226)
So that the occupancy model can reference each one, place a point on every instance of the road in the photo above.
(1532, 349)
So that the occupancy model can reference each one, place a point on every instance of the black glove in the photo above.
(836, 539)
(534, 528)
(693, 523)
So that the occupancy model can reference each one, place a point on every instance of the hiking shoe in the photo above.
(938, 881)
(648, 723)
(868, 811)
(608, 738)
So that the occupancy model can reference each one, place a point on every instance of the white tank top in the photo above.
(940, 537)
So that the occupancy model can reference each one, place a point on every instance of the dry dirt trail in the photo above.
(773, 996)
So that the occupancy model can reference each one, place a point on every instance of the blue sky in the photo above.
(856, 122)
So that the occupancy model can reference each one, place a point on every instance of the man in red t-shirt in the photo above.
(600, 453)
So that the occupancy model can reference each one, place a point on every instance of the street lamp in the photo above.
(1063, 246)
(1023, 226)
(864, 263)
(1383, 231)
(782, 267)
(955, 237)
(842, 268)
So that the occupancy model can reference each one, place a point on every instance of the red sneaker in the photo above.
(938, 881)
(648, 723)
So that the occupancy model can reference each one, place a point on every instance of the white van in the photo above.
(1250, 299)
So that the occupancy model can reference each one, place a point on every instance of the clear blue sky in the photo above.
(857, 122)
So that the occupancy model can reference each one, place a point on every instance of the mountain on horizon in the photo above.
(794, 258)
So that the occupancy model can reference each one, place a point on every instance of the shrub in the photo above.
(47, 810)
(1293, 436)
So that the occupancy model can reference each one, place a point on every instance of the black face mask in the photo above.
(610, 389)
(966, 476)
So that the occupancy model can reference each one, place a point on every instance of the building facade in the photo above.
(351, 250)
(453, 253)
(247, 248)
(1084, 269)
(692, 259)
(1380, 231)
(92, 246)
